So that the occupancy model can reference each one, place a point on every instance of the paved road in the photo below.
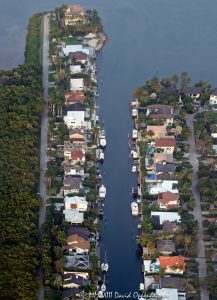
(197, 212)
(44, 136)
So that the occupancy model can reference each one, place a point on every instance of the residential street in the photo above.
(44, 136)
(197, 211)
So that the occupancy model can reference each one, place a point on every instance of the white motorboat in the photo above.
(135, 134)
(104, 267)
(134, 154)
(134, 169)
(102, 192)
(102, 139)
(134, 113)
(101, 156)
(134, 209)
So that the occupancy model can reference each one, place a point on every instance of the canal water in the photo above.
(157, 37)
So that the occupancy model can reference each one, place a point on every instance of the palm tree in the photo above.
(187, 241)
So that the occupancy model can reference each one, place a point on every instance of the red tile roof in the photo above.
(77, 154)
(74, 97)
(166, 197)
(172, 261)
(75, 9)
(165, 142)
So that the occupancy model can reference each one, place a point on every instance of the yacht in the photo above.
(134, 209)
(134, 169)
(134, 113)
(104, 265)
(102, 192)
(102, 139)
(100, 155)
(135, 134)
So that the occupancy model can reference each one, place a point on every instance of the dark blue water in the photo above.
(147, 37)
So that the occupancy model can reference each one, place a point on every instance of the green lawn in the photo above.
(51, 90)
(71, 41)
(51, 77)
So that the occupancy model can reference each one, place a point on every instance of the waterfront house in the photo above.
(74, 279)
(163, 157)
(74, 14)
(77, 244)
(81, 231)
(166, 145)
(151, 282)
(73, 216)
(164, 186)
(163, 168)
(77, 136)
(168, 200)
(166, 247)
(72, 185)
(171, 227)
(172, 264)
(167, 119)
(159, 109)
(173, 282)
(213, 97)
(74, 97)
(76, 84)
(81, 262)
(74, 156)
(193, 92)
(169, 294)
(151, 265)
(156, 132)
(67, 49)
(76, 202)
(74, 170)
(75, 115)
(159, 217)
(78, 56)
(75, 69)
(71, 293)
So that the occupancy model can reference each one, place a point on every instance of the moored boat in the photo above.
(135, 134)
(102, 192)
(102, 139)
(134, 113)
(134, 209)
(100, 155)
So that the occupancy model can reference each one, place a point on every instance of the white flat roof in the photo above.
(166, 216)
(75, 69)
(73, 216)
(167, 294)
(74, 48)
(76, 84)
